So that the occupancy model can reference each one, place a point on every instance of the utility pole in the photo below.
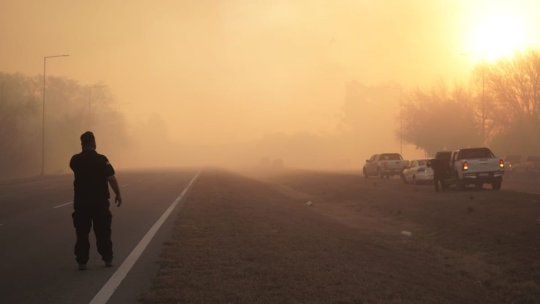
(43, 118)
(401, 120)
(483, 105)
(43, 111)
(401, 133)
(90, 107)
(2, 92)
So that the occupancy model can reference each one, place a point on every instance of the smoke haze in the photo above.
(304, 83)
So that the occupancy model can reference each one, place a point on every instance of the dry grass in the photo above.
(239, 240)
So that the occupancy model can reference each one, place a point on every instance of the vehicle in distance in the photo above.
(512, 162)
(477, 166)
(532, 163)
(384, 165)
(417, 172)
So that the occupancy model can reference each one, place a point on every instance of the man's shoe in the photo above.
(82, 267)
(108, 263)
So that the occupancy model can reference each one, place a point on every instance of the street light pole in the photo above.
(401, 134)
(43, 111)
(401, 120)
(483, 105)
(90, 107)
(2, 93)
(483, 114)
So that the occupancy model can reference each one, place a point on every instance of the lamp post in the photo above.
(43, 111)
(401, 121)
(484, 116)
(483, 64)
(90, 108)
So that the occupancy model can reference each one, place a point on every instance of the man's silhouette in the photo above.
(441, 169)
(93, 174)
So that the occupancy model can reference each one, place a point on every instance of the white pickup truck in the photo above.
(384, 165)
(477, 166)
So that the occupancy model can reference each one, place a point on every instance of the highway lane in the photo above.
(36, 255)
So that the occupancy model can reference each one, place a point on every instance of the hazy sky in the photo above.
(219, 71)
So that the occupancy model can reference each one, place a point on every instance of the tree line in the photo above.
(499, 107)
(71, 108)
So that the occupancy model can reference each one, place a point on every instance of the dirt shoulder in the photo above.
(241, 240)
(492, 237)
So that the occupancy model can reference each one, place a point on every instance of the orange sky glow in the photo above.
(251, 68)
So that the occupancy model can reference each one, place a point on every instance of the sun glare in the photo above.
(496, 36)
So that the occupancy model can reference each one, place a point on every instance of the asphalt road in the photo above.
(37, 237)
(241, 239)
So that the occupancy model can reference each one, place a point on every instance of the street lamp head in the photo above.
(54, 56)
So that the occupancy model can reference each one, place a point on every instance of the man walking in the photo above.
(441, 168)
(93, 174)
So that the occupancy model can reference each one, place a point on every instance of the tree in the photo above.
(440, 120)
(514, 86)
(503, 96)
(66, 118)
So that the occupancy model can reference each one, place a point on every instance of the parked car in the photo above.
(532, 163)
(384, 165)
(477, 166)
(417, 172)
(512, 162)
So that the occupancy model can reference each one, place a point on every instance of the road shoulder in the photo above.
(239, 240)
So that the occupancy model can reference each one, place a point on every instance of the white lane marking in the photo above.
(62, 205)
(114, 281)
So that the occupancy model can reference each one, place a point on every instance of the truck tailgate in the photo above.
(393, 164)
(483, 165)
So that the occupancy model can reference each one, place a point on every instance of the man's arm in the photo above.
(114, 185)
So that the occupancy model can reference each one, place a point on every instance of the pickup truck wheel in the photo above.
(496, 185)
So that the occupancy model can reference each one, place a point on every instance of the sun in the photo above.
(497, 35)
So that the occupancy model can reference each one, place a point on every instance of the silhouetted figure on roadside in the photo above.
(93, 174)
(441, 169)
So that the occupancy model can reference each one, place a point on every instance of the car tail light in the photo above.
(465, 166)
(501, 163)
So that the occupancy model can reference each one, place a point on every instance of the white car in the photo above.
(384, 165)
(417, 172)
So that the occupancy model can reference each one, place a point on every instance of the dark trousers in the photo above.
(438, 180)
(86, 215)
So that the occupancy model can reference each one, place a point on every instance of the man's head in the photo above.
(88, 141)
